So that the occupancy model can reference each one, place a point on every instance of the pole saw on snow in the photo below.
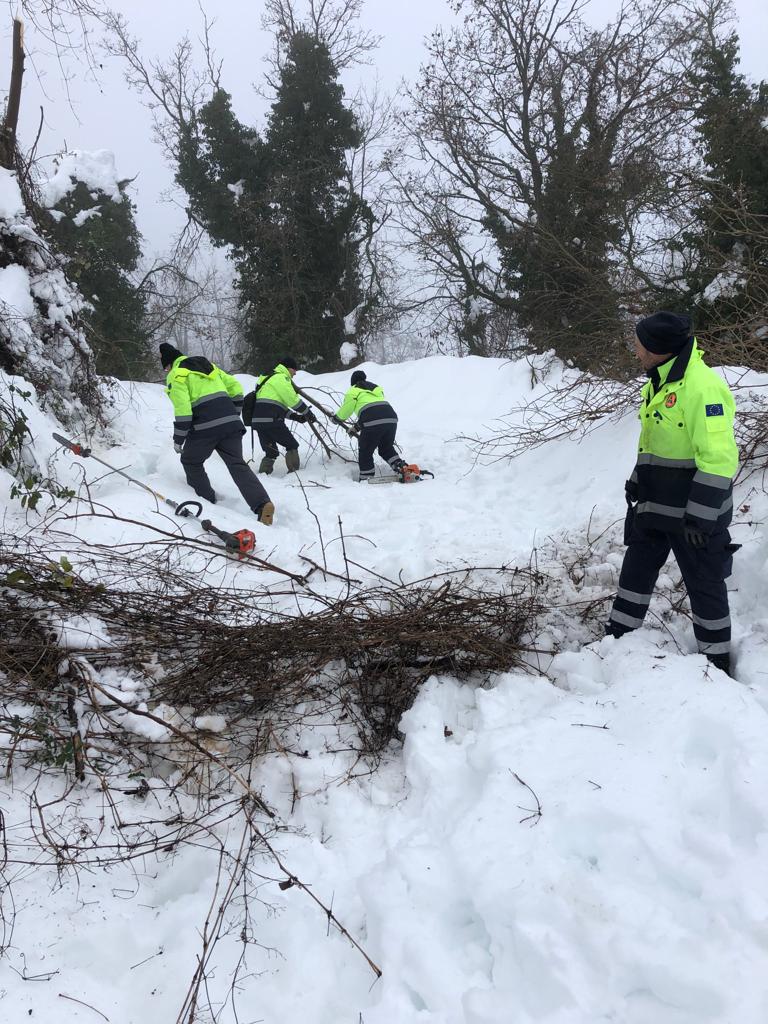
(241, 543)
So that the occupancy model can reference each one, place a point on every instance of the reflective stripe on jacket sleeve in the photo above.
(178, 392)
(709, 418)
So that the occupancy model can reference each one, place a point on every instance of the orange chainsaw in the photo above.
(411, 473)
(406, 474)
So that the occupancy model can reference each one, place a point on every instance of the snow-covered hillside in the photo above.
(584, 842)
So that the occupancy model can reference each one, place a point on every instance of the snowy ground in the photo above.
(638, 894)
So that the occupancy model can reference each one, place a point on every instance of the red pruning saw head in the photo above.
(247, 542)
(240, 543)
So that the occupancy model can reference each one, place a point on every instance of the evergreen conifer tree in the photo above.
(728, 276)
(307, 269)
(98, 236)
(223, 167)
(285, 207)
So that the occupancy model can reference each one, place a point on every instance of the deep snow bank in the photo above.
(637, 895)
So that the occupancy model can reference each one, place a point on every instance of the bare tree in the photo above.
(335, 22)
(62, 30)
(64, 24)
(47, 28)
(173, 90)
(192, 302)
(539, 158)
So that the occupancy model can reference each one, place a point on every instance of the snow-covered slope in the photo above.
(473, 515)
(638, 894)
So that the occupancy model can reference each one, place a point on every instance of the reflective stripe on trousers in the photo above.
(704, 572)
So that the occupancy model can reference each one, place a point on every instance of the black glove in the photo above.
(355, 429)
(631, 492)
(178, 448)
(693, 535)
(309, 417)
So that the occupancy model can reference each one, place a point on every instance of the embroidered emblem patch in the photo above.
(670, 400)
(715, 410)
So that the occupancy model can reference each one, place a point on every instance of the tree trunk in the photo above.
(8, 131)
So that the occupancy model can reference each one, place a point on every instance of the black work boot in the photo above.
(721, 661)
(292, 460)
(266, 465)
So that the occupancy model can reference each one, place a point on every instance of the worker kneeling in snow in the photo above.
(206, 403)
(275, 399)
(680, 493)
(376, 424)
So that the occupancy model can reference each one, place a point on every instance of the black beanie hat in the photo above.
(168, 354)
(289, 363)
(357, 377)
(665, 332)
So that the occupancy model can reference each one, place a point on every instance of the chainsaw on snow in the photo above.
(407, 474)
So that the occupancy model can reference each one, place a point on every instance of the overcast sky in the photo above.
(105, 114)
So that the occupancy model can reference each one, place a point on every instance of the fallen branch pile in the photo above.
(360, 657)
(364, 657)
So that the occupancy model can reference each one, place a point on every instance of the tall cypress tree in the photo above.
(728, 277)
(308, 266)
(283, 203)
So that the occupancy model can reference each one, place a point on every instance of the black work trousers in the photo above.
(379, 438)
(198, 447)
(273, 434)
(704, 572)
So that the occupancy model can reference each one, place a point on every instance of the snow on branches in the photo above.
(41, 336)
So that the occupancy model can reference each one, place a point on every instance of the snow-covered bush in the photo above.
(89, 220)
(41, 337)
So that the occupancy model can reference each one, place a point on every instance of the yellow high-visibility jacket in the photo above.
(366, 401)
(276, 397)
(205, 399)
(687, 455)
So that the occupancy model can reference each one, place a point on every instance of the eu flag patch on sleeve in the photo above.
(715, 410)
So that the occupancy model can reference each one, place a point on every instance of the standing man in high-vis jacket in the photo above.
(206, 404)
(680, 493)
(276, 399)
(376, 424)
